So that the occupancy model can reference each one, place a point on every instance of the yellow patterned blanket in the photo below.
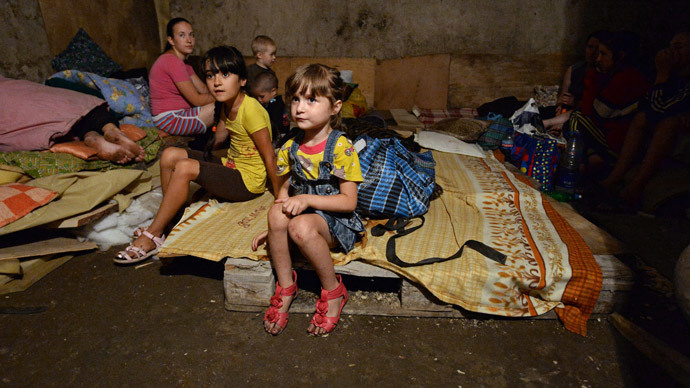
(548, 265)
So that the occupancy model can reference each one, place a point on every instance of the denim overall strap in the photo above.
(299, 180)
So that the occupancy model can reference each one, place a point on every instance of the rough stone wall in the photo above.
(393, 29)
(497, 48)
(24, 49)
(475, 32)
(365, 28)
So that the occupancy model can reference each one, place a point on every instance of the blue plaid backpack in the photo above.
(397, 182)
(398, 185)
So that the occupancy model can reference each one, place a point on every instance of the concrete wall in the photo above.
(497, 48)
(486, 40)
(393, 29)
(24, 49)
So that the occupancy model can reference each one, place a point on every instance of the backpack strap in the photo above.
(398, 225)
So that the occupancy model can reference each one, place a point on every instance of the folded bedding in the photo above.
(44, 114)
(80, 192)
(548, 264)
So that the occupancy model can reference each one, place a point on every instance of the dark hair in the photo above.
(319, 81)
(623, 44)
(596, 35)
(225, 59)
(169, 30)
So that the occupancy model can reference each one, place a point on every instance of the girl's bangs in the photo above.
(220, 65)
(311, 84)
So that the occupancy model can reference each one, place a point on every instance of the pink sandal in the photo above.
(132, 254)
(320, 319)
(272, 314)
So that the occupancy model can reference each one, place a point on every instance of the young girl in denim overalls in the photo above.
(315, 206)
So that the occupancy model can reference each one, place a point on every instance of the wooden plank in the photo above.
(85, 218)
(363, 71)
(355, 268)
(599, 241)
(406, 82)
(673, 362)
(34, 270)
(247, 283)
(476, 79)
(245, 279)
(46, 247)
(616, 276)
(10, 266)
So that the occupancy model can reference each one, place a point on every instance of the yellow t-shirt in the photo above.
(242, 154)
(345, 160)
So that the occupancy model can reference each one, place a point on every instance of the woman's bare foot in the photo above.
(105, 149)
(333, 310)
(114, 135)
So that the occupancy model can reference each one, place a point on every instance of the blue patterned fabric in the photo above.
(122, 96)
(536, 156)
(397, 182)
(499, 128)
(82, 53)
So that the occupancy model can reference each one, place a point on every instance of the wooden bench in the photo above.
(250, 284)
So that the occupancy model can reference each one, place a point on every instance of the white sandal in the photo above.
(132, 254)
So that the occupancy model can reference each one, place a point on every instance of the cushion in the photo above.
(133, 132)
(18, 200)
(464, 129)
(447, 143)
(76, 148)
(82, 53)
(82, 151)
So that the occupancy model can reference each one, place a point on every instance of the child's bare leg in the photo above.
(169, 159)
(114, 135)
(280, 257)
(311, 234)
(185, 171)
(105, 149)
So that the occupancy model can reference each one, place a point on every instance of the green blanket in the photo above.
(42, 164)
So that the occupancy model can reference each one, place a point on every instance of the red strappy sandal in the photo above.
(272, 314)
(320, 319)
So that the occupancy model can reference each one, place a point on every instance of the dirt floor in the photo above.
(165, 326)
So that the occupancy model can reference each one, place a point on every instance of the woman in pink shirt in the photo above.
(180, 101)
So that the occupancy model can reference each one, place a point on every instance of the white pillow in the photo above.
(446, 143)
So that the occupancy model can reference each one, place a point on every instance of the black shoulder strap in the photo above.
(398, 225)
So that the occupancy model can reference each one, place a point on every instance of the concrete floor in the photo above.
(165, 326)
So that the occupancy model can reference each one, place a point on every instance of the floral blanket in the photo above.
(122, 96)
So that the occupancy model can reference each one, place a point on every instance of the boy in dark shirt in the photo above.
(265, 90)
